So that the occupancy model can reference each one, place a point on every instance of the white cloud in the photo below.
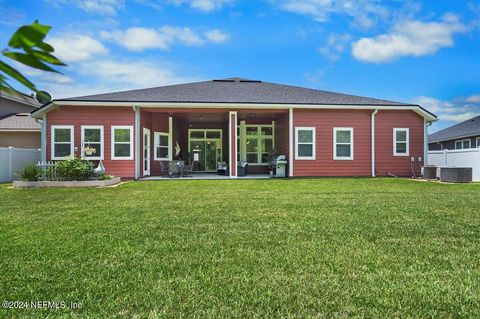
(203, 5)
(139, 39)
(474, 98)
(450, 112)
(106, 7)
(365, 13)
(135, 74)
(335, 46)
(410, 38)
(217, 36)
(116, 75)
(73, 48)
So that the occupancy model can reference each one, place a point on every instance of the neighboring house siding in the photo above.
(324, 121)
(91, 115)
(20, 139)
(450, 144)
(386, 162)
(8, 107)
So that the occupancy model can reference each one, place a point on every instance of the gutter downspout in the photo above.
(136, 109)
(43, 138)
(372, 125)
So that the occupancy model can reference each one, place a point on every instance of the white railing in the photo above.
(48, 169)
(469, 157)
(13, 160)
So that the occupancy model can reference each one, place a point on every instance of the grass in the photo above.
(320, 248)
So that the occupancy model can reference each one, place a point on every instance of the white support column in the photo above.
(372, 127)
(170, 138)
(43, 141)
(425, 142)
(137, 142)
(232, 144)
(290, 142)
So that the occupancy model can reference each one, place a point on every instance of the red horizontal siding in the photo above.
(324, 121)
(95, 115)
(385, 163)
(385, 122)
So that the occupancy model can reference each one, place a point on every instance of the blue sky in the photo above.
(424, 52)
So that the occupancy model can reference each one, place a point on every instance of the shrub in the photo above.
(74, 169)
(30, 173)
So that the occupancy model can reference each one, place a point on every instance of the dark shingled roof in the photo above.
(468, 128)
(235, 90)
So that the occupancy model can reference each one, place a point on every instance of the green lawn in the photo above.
(247, 248)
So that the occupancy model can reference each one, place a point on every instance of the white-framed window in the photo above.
(62, 141)
(259, 142)
(162, 146)
(122, 143)
(343, 143)
(305, 143)
(401, 137)
(92, 142)
(462, 144)
(478, 142)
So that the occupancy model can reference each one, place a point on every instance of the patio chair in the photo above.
(173, 169)
(164, 168)
(188, 169)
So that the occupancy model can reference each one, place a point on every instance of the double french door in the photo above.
(205, 147)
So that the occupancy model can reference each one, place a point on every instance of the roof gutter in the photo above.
(418, 109)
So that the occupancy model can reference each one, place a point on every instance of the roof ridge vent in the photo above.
(224, 80)
(250, 81)
(237, 80)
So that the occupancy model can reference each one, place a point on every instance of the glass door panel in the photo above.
(211, 156)
(198, 147)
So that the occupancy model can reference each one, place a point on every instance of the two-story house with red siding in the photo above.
(135, 133)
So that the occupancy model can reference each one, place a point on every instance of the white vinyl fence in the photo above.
(457, 158)
(13, 160)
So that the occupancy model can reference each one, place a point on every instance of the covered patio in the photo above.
(204, 176)
(203, 138)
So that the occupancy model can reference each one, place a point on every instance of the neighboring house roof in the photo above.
(468, 128)
(22, 98)
(235, 90)
(19, 122)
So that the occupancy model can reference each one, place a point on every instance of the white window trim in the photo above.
(477, 142)
(52, 141)
(102, 148)
(342, 158)
(112, 144)
(258, 137)
(314, 144)
(169, 157)
(398, 129)
(463, 140)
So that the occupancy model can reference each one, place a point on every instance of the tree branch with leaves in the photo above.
(27, 46)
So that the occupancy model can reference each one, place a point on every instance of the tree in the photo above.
(26, 46)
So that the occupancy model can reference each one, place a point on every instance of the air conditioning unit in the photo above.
(456, 174)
